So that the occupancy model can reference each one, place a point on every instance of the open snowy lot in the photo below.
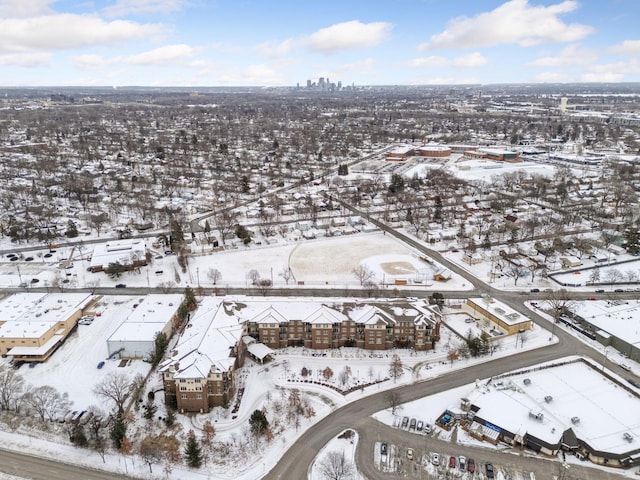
(327, 261)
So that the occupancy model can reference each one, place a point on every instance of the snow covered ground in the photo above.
(326, 261)
(267, 386)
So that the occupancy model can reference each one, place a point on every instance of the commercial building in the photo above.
(34, 325)
(130, 254)
(135, 338)
(499, 319)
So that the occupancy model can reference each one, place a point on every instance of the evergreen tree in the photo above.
(78, 437)
(258, 422)
(150, 409)
(397, 183)
(72, 229)
(118, 430)
(160, 343)
(170, 419)
(193, 452)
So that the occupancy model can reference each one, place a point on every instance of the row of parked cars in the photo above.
(413, 425)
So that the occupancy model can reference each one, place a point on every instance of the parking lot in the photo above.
(410, 462)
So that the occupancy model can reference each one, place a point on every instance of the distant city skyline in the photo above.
(284, 42)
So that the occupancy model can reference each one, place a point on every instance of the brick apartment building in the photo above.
(199, 374)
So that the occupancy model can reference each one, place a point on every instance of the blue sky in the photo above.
(283, 42)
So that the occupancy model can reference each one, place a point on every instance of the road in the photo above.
(37, 468)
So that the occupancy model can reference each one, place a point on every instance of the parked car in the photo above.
(471, 465)
(600, 290)
(452, 462)
(489, 469)
(419, 426)
(121, 285)
(462, 462)
(383, 448)
(412, 424)
(619, 290)
(405, 422)
(435, 459)
(633, 382)
(100, 365)
(427, 428)
(409, 454)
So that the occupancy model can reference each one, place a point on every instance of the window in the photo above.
(184, 396)
(198, 396)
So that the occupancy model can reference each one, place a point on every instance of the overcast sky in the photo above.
(284, 42)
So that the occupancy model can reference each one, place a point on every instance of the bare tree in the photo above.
(214, 275)
(254, 276)
(336, 466)
(225, 221)
(613, 275)
(12, 387)
(395, 368)
(560, 302)
(286, 274)
(116, 388)
(344, 375)
(364, 274)
(393, 400)
(515, 272)
(46, 402)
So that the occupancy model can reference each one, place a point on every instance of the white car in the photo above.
(435, 459)
(462, 462)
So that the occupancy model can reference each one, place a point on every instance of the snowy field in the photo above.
(328, 262)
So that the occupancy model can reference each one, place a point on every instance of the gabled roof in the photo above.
(370, 315)
(270, 315)
(324, 315)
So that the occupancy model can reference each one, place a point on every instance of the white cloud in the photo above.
(629, 47)
(261, 74)
(571, 55)
(275, 49)
(92, 62)
(25, 59)
(472, 60)
(24, 8)
(66, 31)
(512, 22)
(598, 77)
(162, 55)
(361, 66)
(348, 35)
(551, 77)
(137, 7)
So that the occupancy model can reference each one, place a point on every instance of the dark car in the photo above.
(383, 448)
(633, 382)
(100, 365)
(618, 290)
(471, 465)
(600, 290)
(535, 290)
(121, 285)
(489, 468)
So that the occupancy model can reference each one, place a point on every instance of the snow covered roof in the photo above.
(30, 315)
(369, 315)
(570, 395)
(214, 332)
(120, 251)
(325, 315)
(619, 318)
